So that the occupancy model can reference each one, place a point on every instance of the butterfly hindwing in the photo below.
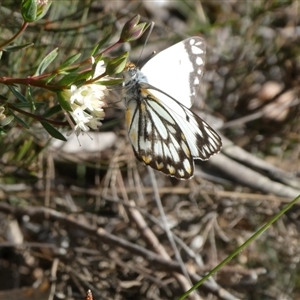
(160, 143)
(202, 140)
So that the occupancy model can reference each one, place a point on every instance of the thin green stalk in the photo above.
(242, 247)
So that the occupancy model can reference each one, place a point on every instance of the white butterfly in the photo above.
(164, 133)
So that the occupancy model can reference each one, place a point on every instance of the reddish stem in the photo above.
(25, 24)
(37, 117)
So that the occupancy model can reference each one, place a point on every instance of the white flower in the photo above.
(87, 103)
(88, 96)
(81, 118)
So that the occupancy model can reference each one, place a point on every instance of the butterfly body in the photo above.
(165, 134)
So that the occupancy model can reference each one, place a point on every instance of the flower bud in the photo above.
(132, 30)
(33, 10)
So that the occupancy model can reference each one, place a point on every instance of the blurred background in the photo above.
(54, 195)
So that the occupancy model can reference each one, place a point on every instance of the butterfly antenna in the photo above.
(147, 38)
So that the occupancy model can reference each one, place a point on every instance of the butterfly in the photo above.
(165, 134)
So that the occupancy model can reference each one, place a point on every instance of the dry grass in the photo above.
(74, 221)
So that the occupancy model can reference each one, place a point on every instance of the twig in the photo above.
(40, 214)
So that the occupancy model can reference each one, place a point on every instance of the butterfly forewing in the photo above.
(178, 70)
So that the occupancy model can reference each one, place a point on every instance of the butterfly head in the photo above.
(132, 75)
(130, 67)
(129, 73)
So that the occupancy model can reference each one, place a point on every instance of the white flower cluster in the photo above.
(87, 103)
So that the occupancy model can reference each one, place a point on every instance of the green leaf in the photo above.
(73, 77)
(24, 150)
(6, 121)
(52, 131)
(20, 121)
(69, 61)
(2, 132)
(68, 79)
(63, 102)
(28, 104)
(17, 47)
(116, 65)
(79, 82)
(52, 111)
(50, 78)
(33, 107)
(17, 94)
(68, 70)
(46, 62)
